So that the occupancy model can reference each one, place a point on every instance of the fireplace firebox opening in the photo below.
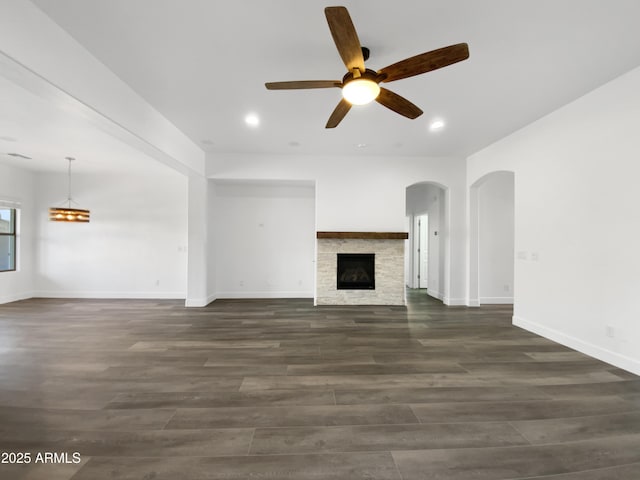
(356, 271)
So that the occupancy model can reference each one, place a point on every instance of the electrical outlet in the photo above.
(611, 333)
(242, 283)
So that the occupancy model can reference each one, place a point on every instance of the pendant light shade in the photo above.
(67, 213)
(63, 214)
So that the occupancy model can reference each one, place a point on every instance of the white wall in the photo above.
(428, 199)
(264, 239)
(134, 247)
(576, 221)
(495, 226)
(19, 185)
(366, 194)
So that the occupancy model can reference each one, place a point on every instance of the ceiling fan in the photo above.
(361, 85)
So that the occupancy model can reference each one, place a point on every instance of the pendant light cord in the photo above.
(69, 199)
(69, 183)
(68, 213)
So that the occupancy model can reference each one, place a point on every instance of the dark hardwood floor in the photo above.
(279, 389)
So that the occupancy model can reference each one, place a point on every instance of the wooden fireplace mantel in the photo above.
(365, 235)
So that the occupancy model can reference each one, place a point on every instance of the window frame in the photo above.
(12, 234)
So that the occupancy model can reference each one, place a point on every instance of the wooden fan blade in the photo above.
(295, 85)
(398, 104)
(338, 114)
(425, 62)
(345, 37)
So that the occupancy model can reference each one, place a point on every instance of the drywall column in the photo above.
(197, 265)
(473, 290)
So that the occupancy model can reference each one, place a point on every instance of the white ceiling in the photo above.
(47, 132)
(203, 64)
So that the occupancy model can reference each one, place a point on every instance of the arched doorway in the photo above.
(426, 250)
(491, 239)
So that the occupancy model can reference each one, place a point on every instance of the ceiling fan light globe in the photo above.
(360, 91)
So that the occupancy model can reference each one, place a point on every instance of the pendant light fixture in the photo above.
(68, 214)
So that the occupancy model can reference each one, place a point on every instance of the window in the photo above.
(7, 239)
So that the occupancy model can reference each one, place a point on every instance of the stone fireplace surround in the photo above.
(388, 248)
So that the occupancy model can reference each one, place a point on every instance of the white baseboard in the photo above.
(15, 297)
(474, 302)
(110, 295)
(199, 302)
(454, 302)
(616, 359)
(496, 300)
(268, 294)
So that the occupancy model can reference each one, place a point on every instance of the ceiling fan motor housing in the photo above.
(368, 74)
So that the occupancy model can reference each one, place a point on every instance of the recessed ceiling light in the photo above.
(252, 120)
(361, 145)
(294, 144)
(208, 142)
(436, 125)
